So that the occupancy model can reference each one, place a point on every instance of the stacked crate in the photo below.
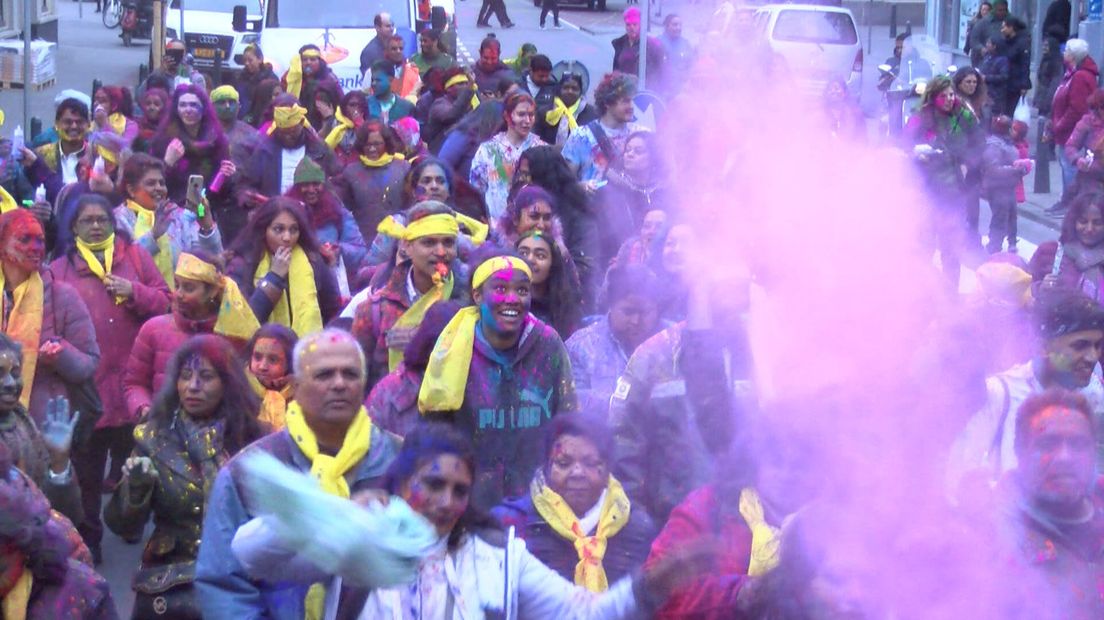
(43, 64)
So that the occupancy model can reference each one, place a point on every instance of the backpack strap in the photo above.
(998, 438)
(603, 140)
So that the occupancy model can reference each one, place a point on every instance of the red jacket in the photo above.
(116, 325)
(713, 596)
(1071, 100)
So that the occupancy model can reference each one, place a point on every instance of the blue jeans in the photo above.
(1069, 175)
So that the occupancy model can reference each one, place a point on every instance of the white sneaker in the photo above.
(558, 27)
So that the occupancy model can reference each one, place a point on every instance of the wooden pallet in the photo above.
(36, 87)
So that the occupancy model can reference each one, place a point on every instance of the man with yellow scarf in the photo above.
(576, 518)
(385, 323)
(499, 374)
(328, 434)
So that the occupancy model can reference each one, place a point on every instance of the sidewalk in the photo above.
(696, 16)
(86, 51)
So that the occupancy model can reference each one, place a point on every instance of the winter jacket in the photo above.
(376, 316)
(584, 114)
(224, 588)
(674, 411)
(1048, 76)
(507, 402)
(444, 113)
(999, 175)
(534, 590)
(183, 233)
(65, 318)
(346, 236)
(957, 141)
(488, 79)
(157, 341)
(201, 157)
(393, 402)
(24, 444)
(263, 173)
(711, 596)
(371, 194)
(247, 87)
(1081, 269)
(1018, 51)
(116, 325)
(401, 108)
(621, 206)
(1071, 100)
(243, 272)
(626, 59)
(46, 171)
(625, 551)
(597, 361)
(996, 71)
(1088, 135)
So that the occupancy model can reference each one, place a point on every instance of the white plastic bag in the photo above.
(1023, 111)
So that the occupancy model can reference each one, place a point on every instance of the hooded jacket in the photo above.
(1071, 100)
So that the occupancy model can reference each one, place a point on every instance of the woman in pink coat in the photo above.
(120, 284)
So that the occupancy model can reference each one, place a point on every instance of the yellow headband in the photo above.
(191, 267)
(288, 116)
(107, 154)
(224, 92)
(310, 53)
(497, 264)
(457, 79)
(436, 224)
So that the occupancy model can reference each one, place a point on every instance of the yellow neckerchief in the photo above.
(117, 122)
(302, 313)
(100, 270)
(18, 598)
(589, 572)
(446, 375)
(25, 326)
(273, 402)
(235, 317)
(382, 160)
(553, 116)
(766, 539)
(7, 203)
(338, 132)
(144, 224)
(412, 318)
(329, 470)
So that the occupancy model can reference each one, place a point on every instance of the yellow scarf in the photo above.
(329, 470)
(446, 375)
(589, 572)
(553, 116)
(302, 313)
(25, 326)
(144, 224)
(18, 598)
(294, 77)
(118, 123)
(7, 203)
(338, 132)
(100, 270)
(273, 403)
(412, 318)
(382, 160)
(765, 538)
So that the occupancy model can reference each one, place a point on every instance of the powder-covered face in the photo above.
(1072, 357)
(538, 253)
(577, 472)
(537, 216)
(1090, 226)
(440, 491)
(199, 387)
(504, 301)
(1058, 465)
(25, 245)
(269, 362)
(11, 380)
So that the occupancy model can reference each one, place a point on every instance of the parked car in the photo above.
(815, 42)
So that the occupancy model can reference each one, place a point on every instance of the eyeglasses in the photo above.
(94, 221)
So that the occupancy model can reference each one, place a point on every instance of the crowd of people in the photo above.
(476, 291)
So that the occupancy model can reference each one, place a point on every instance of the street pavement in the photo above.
(89, 50)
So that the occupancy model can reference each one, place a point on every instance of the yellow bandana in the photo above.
(107, 154)
(329, 470)
(235, 317)
(273, 402)
(765, 538)
(7, 203)
(436, 224)
(118, 123)
(457, 79)
(144, 224)
(338, 132)
(382, 160)
(18, 598)
(25, 326)
(301, 313)
(553, 116)
(284, 117)
(589, 572)
(100, 270)
(294, 77)
(224, 92)
(446, 375)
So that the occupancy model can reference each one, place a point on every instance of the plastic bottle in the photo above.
(18, 142)
(40, 194)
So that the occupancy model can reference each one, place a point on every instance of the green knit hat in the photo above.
(309, 172)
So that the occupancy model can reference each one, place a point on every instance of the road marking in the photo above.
(463, 49)
(564, 22)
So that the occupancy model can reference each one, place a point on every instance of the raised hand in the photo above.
(57, 432)
(281, 262)
(140, 472)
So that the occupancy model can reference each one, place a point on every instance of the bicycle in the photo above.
(112, 13)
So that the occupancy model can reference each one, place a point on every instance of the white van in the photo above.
(209, 35)
(341, 29)
(816, 42)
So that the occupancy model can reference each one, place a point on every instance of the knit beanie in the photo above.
(309, 172)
